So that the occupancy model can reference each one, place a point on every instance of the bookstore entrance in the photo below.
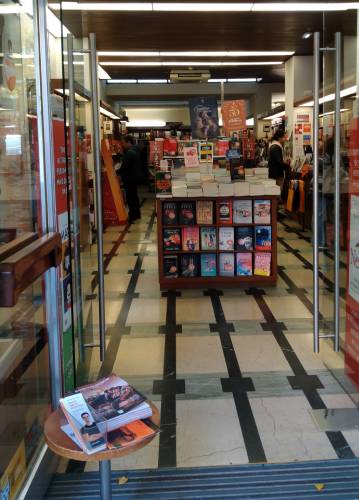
(232, 302)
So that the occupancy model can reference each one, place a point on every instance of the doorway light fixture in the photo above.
(195, 53)
(331, 97)
(190, 63)
(207, 6)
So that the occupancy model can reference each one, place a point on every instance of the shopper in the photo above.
(130, 172)
(276, 165)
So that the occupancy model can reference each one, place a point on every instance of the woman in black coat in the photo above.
(276, 165)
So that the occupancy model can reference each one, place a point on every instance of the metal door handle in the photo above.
(338, 60)
(316, 74)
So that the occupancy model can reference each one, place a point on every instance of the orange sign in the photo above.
(234, 115)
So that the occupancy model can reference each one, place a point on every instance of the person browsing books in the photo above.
(90, 432)
(131, 172)
(277, 167)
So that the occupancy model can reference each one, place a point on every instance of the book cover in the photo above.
(226, 238)
(187, 212)
(163, 183)
(242, 212)
(222, 147)
(204, 212)
(244, 238)
(236, 166)
(263, 237)
(262, 210)
(172, 239)
(155, 153)
(185, 144)
(131, 434)
(170, 146)
(208, 238)
(206, 152)
(244, 264)
(226, 264)
(170, 266)
(225, 212)
(169, 213)
(208, 264)
(190, 239)
(190, 156)
(190, 266)
(262, 263)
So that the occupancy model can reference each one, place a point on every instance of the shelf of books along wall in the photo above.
(217, 221)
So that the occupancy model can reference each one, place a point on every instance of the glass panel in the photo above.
(24, 368)
(344, 364)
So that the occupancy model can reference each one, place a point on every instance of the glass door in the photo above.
(84, 336)
(336, 284)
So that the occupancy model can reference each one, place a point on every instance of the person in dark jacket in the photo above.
(276, 165)
(130, 172)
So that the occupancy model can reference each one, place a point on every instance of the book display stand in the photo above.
(217, 241)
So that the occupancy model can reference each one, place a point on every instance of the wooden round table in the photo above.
(62, 445)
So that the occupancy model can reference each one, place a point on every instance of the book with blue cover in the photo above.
(244, 264)
(208, 238)
(263, 237)
(226, 264)
(208, 264)
(244, 238)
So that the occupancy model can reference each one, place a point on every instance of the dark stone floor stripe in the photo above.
(309, 384)
(169, 387)
(238, 385)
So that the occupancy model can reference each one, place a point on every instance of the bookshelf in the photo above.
(235, 280)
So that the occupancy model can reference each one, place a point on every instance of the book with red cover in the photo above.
(222, 147)
(155, 153)
(262, 263)
(224, 215)
(190, 239)
(170, 146)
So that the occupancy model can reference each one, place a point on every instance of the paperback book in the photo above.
(244, 264)
(187, 213)
(244, 238)
(263, 237)
(190, 266)
(170, 146)
(262, 210)
(170, 266)
(226, 264)
(226, 238)
(204, 212)
(206, 152)
(208, 264)
(222, 147)
(262, 263)
(242, 212)
(190, 239)
(236, 166)
(225, 212)
(172, 239)
(170, 214)
(208, 238)
(191, 156)
(163, 184)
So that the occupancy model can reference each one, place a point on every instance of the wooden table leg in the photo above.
(105, 477)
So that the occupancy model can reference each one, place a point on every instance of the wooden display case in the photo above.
(216, 281)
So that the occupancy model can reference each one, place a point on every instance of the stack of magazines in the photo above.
(107, 414)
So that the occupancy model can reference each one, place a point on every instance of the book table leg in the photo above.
(105, 477)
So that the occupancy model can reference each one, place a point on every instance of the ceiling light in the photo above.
(202, 7)
(78, 97)
(102, 74)
(241, 80)
(250, 122)
(276, 115)
(303, 7)
(331, 97)
(153, 81)
(195, 53)
(114, 80)
(306, 35)
(217, 80)
(108, 113)
(124, 53)
(146, 123)
(333, 112)
(190, 63)
(111, 6)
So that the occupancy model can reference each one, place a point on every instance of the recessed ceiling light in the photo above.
(153, 80)
(116, 80)
(306, 35)
(196, 53)
(241, 80)
(217, 80)
(190, 63)
(111, 6)
(124, 53)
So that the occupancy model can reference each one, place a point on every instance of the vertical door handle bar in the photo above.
(98, 192)
(316, 74)
(76, 289)
(338, 58)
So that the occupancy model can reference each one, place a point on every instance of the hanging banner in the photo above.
(204, 117)
(352, 295)
(234, 116)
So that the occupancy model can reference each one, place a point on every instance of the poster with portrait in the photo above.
(204, 117)
(234, 116)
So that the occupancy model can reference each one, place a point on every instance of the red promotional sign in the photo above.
(352, 295)
(234, 116)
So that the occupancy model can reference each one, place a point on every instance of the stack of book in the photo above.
(107, 414)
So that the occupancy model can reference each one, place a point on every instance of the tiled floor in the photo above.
(230, 383)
